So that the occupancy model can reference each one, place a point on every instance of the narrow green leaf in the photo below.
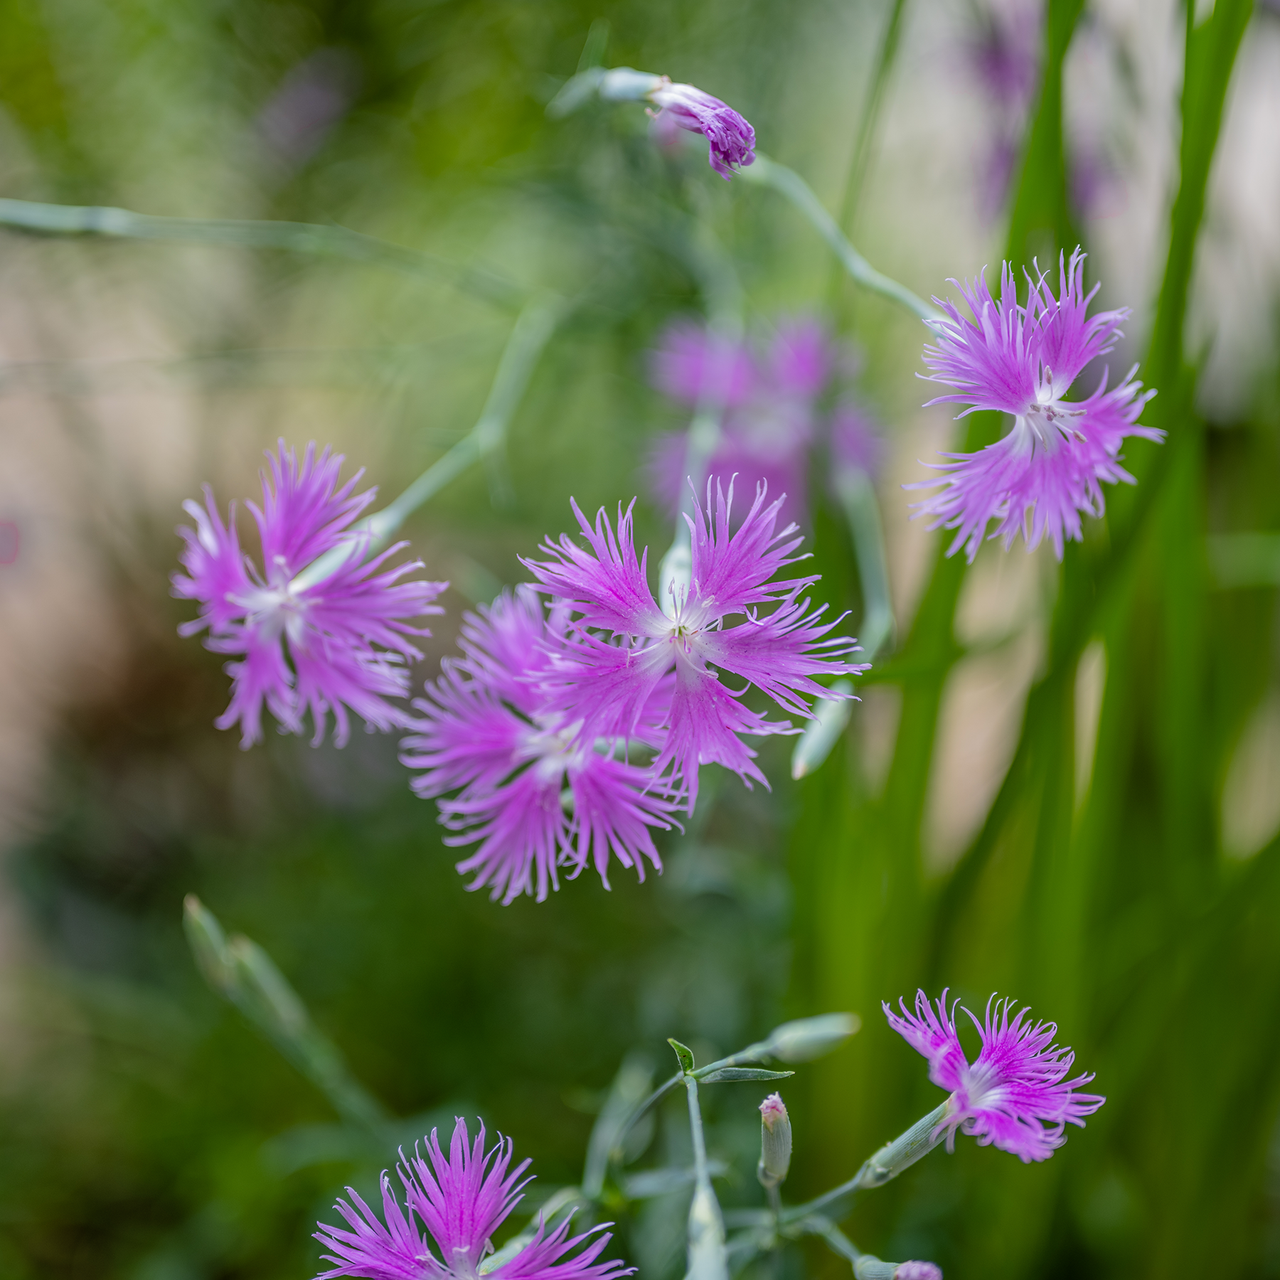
(743, 1073)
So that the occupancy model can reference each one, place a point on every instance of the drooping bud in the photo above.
(731, 139)
(775, 1142)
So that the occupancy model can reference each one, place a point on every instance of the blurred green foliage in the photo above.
(147, 1132)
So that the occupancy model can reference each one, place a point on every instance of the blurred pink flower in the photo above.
(770, 403)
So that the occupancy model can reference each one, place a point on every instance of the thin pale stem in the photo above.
(707, 1257)
(871, 114)
(529, 336)
(787, 182)
(886, 1164)
(722, 298)
(862, 510)
(294, 237)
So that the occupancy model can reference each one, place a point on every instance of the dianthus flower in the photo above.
(486, 732)
(328, 646)
(730, 139)
(460, 1201)
(1014, 1095)
(769, 404)
(633, 662)
(1048, 470)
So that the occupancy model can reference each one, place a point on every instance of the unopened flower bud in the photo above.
(918, 1271)
(869, 1268)
(775, 1141)
(808, 1038)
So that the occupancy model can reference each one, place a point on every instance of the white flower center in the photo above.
(277, 607)
(1046, 423)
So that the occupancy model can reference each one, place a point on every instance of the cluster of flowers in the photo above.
(1014, 1096)
(773, 416)
(528, 740)
(535, 727)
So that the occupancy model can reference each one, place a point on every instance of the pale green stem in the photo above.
(858, 498)
(529, 336)
(871, 113)
(887, 1163)
(244, 974)
(830, 719)
(294, 237)
(722, 296)
(707, 1257)
(787, 182)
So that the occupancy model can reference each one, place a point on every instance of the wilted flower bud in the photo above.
(775, 1141)
(811, 1037)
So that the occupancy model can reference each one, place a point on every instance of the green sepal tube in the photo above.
(775, 1142)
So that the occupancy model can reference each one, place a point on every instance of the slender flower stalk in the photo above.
(633, 663)
(527, 785)
(336, 645)
(792, 186)
(731, 140)
(1015, 1094)
(1047, 472)
(461, 1200)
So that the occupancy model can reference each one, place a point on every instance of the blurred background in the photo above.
(1062, 783)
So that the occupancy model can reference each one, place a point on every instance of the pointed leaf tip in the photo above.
(684, 1056)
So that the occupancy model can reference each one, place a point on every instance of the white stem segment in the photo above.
(707, 1257)
(787, 182)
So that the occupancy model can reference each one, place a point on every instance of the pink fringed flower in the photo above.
(530, 788)
(631, 658)
(731, 140)
(330, 646)
(460, 1201)
(1049, 469)
(1015, 1094)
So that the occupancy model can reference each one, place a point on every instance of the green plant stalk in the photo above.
(707, 1257)
(293, 237)
(913, 1144)
(529, 336)
(722, 299)
(857, 496)
(769, 173)
(243, 974)
(886, 56)
(870, 909)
